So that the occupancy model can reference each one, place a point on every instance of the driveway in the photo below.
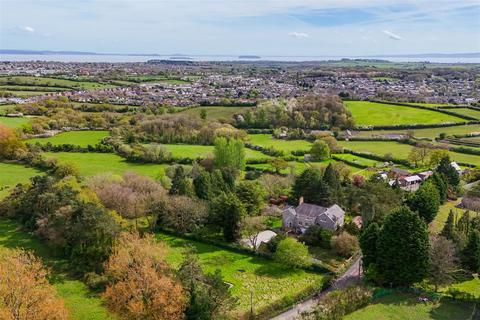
(352, 275)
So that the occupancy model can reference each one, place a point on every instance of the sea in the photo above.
(137, 58)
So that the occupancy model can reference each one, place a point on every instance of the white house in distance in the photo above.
(306, 215)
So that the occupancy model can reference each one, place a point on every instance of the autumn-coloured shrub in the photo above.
(11, 146)
(142, 285)
(344, 244)
(25, 293)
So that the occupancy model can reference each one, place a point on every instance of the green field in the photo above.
(91, 164)
(403, 306)
(430, 105)
(437, 224)
(26, 94)
(367, 113)
(79, 138)
(358, 160)
(11, 174)
(14, 122)
(216, 113)
(425, 133)
(200, 151)
(82, 304)
(287, 146)
(400, 150)
(47, 82)
(269, 281)
(5, 107)
(32, 88)
(467, 112)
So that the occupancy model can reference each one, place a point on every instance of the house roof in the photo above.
(335, 212)
(310, 210)
(412, 178)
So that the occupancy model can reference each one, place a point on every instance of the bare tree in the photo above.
(442, 261)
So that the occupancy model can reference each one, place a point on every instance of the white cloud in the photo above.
(392, 35)
(27, 29)
(298, 35)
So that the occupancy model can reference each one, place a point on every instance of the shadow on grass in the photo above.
(13, 236)
(450, 309)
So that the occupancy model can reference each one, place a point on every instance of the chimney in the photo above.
(300, 201)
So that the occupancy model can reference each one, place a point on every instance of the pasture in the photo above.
(12, 174)
(269, 281)
(400, 150)
(52, 82)
(425, 133)
(14, 122)
(27, 94)
(405, 306)
(367, 113)
(78, 138)
(91, 164)
(467, 112)
(287, 146)
(194, 151)
(216, 113)
(82, 304)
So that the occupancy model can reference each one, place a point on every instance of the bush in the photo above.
(293, 254)
(317, 236)
(344, 244)
(336, 304)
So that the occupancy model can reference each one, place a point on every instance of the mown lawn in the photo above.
(79, 138)
(400, 150)
(426, 133)
(403, 306)
(367, 113)
(469, 286)
(91, 164)
(287, 146)
(82, 304)
(217, 112)
(14, 122)
(436, 226)
(267, 280)
(12, 174)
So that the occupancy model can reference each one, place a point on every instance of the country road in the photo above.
(352, 275)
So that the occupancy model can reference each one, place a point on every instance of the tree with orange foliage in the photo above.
(25, 293)
(10, 144)
(142, 284)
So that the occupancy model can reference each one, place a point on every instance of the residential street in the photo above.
(352, 275)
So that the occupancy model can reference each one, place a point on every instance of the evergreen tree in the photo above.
(180, 182)
(252, 194)
(402, 245)
(228, 212)
(448, 230)
(333, 190)
(471, 253)
(203, 185)
(441, 185)
(449, 172)
(426, 201)
(309, 185)
(368, 244)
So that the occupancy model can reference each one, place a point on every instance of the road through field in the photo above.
(352, 275)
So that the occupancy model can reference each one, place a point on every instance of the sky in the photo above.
(260, 27)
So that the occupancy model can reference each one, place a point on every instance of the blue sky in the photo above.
(264, 27)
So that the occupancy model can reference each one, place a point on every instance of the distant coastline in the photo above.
(85, 56)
